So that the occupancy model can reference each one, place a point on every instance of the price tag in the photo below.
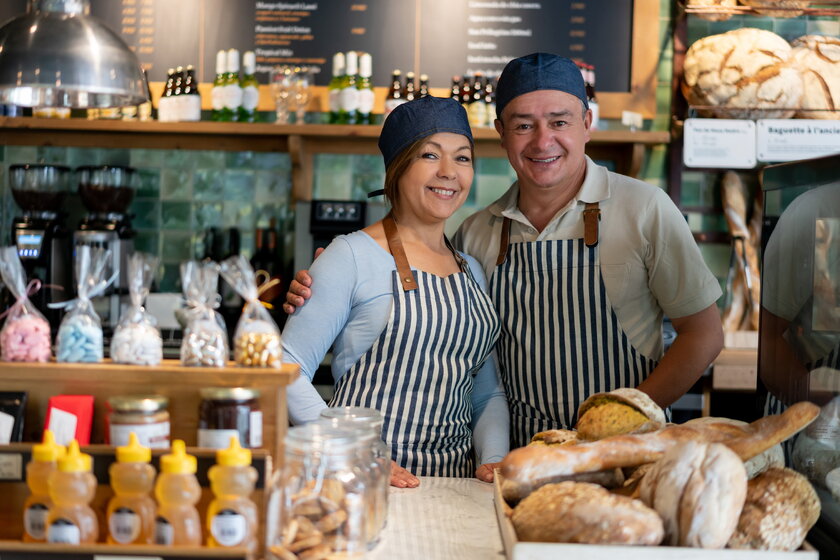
(726, 143)
(11, 466)
(794, 139)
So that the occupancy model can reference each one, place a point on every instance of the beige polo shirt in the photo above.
(649, 261)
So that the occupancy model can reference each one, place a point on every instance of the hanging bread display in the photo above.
(818, 58)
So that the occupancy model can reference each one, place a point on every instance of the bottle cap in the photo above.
(234, 455)
(338, 64)
(178, 462)
(232, 60)
(74, 460)
(424, 77)
(133, 452)
(365, 65)
(221, 62)
(249, 62)
(352, 58)
(47, 451)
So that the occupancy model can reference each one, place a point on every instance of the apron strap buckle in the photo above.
(591, 217)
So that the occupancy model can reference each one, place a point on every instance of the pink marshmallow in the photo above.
(25, 338)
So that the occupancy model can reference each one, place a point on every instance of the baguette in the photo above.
(540, 463)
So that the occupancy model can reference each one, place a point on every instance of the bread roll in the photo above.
(778, 8)
(745, 73)
(554, 437)
(578, 512)
(698, 489)
(622, 411)
(713, 4)
(780, 509)
(818, 59)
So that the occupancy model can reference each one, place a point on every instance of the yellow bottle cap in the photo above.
(234, 455)
(133, 452)
(49, 450)
(178, 462)
(74, 460)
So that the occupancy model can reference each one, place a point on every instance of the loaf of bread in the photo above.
(578, 512)
(781, 507)
(772, 457)
(745, 73)
(698, 489)
(818, 59)
(554, 437)
(622, 411)
(513, 491)
(778, 8)
(713, 4)
(540, 462)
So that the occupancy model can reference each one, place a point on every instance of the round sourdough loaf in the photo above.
(780, 509)
(579, 512)
(713, 4)
(818, 59)
(743, 74)
(698, 489)
(778, 8)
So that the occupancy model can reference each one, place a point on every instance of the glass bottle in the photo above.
(348, 111)
(232, 515)
(146, 110)
(423, 90)
(131, 512)
(233, 91)
(177, 491)
(490, 102)
(466, 94)
(191, 98)
(165, 111)
(366, 96)
(334, 87)
(250, 88)
(455, 89)
(72, 487)
(394, 97)
(409, 89)
(321, 488)
(178, 95)
(218, 93)
(36, 507)
(477, 112)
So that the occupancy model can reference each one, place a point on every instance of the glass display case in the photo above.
(799, 335)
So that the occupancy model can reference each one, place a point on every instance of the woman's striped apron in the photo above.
(561, 341)
(419, 372)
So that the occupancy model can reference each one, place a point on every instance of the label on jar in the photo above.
(228, 527)
(216, 439)
(124, 525)
(63, 531)
(256, 429)
(35, 521)
(164, 531)
(154, 436)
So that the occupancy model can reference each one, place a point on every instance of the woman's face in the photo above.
(438, 179)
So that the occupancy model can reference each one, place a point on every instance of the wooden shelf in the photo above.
(15, 550)
(625, 148)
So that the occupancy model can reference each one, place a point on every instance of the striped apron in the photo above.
(419, 372)
(561, 340)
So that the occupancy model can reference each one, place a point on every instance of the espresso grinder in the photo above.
(107, 192)
(43, 242)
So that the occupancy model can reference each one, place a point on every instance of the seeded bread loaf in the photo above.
(818, 59)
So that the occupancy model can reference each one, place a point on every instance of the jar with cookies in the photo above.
(256, 339)
(318, 503)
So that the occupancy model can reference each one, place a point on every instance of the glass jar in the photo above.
(369, 420)
(145, 415)
(226, 412)
(318, 499)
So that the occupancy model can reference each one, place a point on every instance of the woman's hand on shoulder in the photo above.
(485, 472)
(401, 478)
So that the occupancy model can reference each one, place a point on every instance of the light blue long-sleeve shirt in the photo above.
(352, 296)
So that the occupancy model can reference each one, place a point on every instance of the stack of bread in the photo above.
(624, 476)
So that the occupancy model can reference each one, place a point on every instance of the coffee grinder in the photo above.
(106, 192)
(43, 242)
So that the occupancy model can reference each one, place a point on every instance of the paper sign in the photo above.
(795, 139)
(725, 143)
(11, 466)
(63, 426)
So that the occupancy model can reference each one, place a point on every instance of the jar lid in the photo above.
(322, 437)
(356, 415)
(138, 403)
(229, 393)
(363, 432)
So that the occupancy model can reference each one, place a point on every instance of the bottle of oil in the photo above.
(177, 491)
(72, 486)
(38, 471)
(232, 515)
(131, 512)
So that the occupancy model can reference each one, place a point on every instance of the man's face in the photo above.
(544, 133)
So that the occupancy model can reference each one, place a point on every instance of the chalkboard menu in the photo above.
(440, 38)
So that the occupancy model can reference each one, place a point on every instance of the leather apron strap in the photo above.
(591, 217)
(504, 242)
(407, 280)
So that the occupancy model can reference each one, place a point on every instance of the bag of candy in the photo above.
(25, 336)
(256, 340)
(137, 339)
(79, 336)
(205, 336)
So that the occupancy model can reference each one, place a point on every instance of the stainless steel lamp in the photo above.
(57, 55)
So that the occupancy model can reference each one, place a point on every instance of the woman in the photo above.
(408, 318)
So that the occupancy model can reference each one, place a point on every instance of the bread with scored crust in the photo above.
(621, 411)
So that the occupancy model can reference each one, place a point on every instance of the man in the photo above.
(582, 263)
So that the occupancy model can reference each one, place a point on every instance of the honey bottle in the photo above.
(177, 491)
(232, 515)
(131, 512)
(72, 487)
(38, 471)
